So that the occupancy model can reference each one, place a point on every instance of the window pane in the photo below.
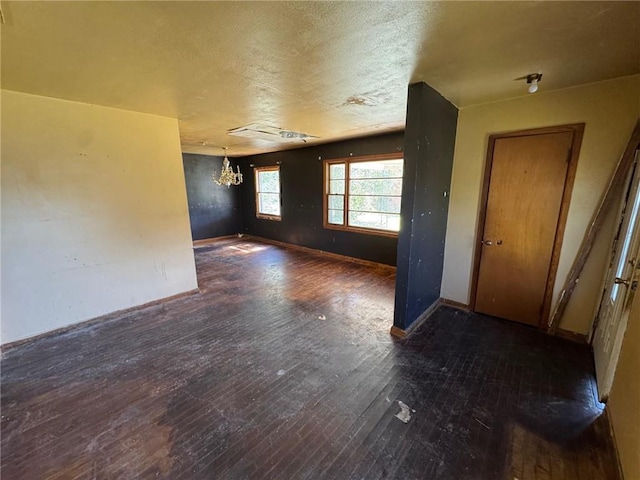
(376, 187)
(336, 171)
(336, 202)
(269, 181)
(336, 217)
(372, 194)
(380, 221)
(374, 204)
(376, 169)
(268, 191)
(626, 243)
(336, 186)
(269, 203)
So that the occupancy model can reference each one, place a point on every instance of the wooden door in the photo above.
(527, 179)
(620, 287)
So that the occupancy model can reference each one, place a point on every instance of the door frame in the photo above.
(577, 129)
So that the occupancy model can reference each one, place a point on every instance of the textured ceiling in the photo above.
(328, 69)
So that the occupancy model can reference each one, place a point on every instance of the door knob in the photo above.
(622, 281)
(488, 242)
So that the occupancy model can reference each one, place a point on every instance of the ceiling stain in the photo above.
(355, 100)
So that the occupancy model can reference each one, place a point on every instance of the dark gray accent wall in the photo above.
(301, 177)
(430, 134)
(214, 210)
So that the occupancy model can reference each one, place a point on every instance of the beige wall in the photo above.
(94, 213)
(610, 110)
(624, 399)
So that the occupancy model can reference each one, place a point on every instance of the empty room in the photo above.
(320, 240)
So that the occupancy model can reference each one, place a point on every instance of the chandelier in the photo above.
(227, 176)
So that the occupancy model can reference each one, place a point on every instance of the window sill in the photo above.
(274, 218)
(366, 231)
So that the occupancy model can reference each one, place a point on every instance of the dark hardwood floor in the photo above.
(283, 367)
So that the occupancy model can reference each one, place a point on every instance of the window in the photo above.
(268, 192)
(363, 194)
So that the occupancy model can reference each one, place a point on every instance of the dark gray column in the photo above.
(429, 143)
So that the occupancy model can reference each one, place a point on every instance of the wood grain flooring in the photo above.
(283, 368)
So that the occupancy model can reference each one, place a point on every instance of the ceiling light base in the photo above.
(532, 80)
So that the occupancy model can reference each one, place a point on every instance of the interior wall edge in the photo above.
(624, 398)
(94, 213)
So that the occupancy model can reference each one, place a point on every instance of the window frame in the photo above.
(325, 194)
(257, 170)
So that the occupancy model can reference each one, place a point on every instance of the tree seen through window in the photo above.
(364, 194)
